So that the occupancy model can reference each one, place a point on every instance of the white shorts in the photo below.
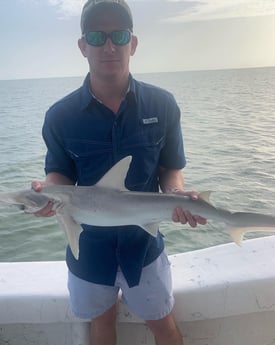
(152, 299)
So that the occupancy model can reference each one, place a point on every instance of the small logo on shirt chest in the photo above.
(150, 120)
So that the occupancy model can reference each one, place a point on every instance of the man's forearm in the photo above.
(56, 178)
(171, 180)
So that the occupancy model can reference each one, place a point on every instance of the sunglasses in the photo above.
(99, 38)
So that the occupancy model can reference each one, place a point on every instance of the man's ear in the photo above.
(82, 46)
(134, 44)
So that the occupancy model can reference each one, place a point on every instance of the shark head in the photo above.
(34, 201)
(27, 200)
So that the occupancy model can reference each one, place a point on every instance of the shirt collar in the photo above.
(87, 98)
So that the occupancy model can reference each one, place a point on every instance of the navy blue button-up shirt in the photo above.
(85, 139)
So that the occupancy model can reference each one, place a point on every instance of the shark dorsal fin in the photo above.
(115, 177)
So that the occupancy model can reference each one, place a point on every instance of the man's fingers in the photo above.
(184, 217)
(37, 186)
(200, 220)
(190, 193)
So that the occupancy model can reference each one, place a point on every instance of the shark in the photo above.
(110, 203)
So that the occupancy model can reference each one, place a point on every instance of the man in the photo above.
(110, 117)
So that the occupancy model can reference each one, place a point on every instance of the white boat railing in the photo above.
(213, 288)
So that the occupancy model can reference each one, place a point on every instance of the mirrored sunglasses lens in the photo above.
(96, 38)
(120, 37)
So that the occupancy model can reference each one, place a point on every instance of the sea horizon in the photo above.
(143, 73)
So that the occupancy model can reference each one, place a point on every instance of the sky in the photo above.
(39, 37)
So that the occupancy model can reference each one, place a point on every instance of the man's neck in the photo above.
(110, 92)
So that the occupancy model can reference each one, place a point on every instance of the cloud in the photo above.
(182, 10)
(68, 8)
(160, 8)
(222, 9)
(73, 7)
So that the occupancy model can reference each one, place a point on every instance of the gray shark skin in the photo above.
(109, 203)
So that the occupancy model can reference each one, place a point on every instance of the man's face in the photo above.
(109, 60)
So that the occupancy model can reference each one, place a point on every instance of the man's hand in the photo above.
(51, 178)
(47, 211)
(184, 216)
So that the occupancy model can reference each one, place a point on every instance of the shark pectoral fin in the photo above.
(152, 229)
(72, 231)
(237, 234)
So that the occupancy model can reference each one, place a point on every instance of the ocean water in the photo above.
(228, 121)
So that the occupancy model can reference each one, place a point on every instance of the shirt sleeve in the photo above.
(172, 155)
(57, 158)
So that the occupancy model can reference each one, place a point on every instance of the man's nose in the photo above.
(109, 45)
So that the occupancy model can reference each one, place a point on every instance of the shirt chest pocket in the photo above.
(91, 158)
(147, 134)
